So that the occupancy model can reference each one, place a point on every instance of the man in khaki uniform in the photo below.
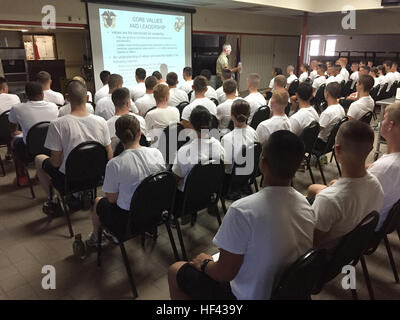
(223, 63)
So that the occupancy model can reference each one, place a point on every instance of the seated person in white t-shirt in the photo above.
(279, 83)
(279, 120)
(343, 71)
(259, 237)
(306, 113)
(7, 100)
(224, 109)
(187, 76)
(242, 135)
(255, 98)
(103, 91)
(147, 102)
(200, 90)
(395, 70)
(44, 78)
(319, 79)
(105, 107)
(331, 74)
(123, 175)
(122, 102)
(387, 168)
(275, 72)
(26, 115)
(382, 75)
(139, 89)
(364, 70)
(64, 135)
(313, 67)
(291, 76)
(364, 102)
(176, 96)
(374, 74)
(80, 79)
(338, 76)
(390, 77)
(226, 74)
(159, 77)
(162, 116)
(354, 75)
(305, 72)
(341, 206)
(210, 93)
(66, 109)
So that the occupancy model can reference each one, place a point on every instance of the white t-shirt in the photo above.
(187, 86)
(66, 109)
(176, 96)
(54, 97)
(268, 127)
(32, 112)
(318, 81)
(210, 93)
(90, 97)
(111, 128)
(221, 94)
(303, 77)
(224, 113)
(313, 74)
(341, 207)
(345, 74)
(67, 132)
(105, 107)
(377, 82)
(160, 118)
(138, 91)
(390, 78)
(198, 150)
(339, 78)
(387, 170)
(125, 172)
(145, 103)
(271, 229)
(328, 118)
(382, 80)
(397, 76)
(290, 79)
(330, 79)
(255, 100)
(271, 83)
(302, 119)
(232, 143)
(8, 100)
(205, 102)
(360, 107)
(101, 93)
(354, 76)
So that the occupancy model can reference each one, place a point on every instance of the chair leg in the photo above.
(256, 185)
(217, 214)
(66, 212)
(178, 230)
(310, 171)
(128, 270)
(391, 260)
(223, 205)
(99, 236)
(398, 232)
(30, 183)
(354, 294)
(367, 278)
(320, 169)
(330, 161)
(171, 240)
(337, 164)
(2, 167)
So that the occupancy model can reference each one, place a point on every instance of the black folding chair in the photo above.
(151, 109)
(374, 92)
(244, 174)
(231, 125)
(366, 118)
(145, 214)
(391, 224)
(182, 106)
(349, 250)
(382, 92)
(329, 148)
(346, 90)
(392, 91)
(319, 99)
(190, 95)
(300, 278)
(309, 136)
(202, 190)
(263, 113)
(215, 101)
(84, 170)
(5, 136)
(342, 88)
(293, 87)
(170, 142)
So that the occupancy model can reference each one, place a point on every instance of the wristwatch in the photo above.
(204, 264)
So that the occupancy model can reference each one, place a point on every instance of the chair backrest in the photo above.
(309, 136)
(293, 87)
(347, 88)
(382, 92)
(190, 95)
(170, 147)
(145, 212)
(350, 248)
(288, 108)
(231, 125)
(262, 114)
(36, 138)
(85, 166)
(366, 118)
(203, 185)
(374, 92)
(151, 109)
(319, 97)
(391, 223)
(393, 89)
(182, 106)
(300, 278)
(120, 147)
(332, 136)
(215, 101)
(5, 136)
(242, 172)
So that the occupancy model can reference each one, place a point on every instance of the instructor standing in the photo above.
(223, 63)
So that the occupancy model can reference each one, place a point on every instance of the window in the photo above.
(330, 47)
(314, 47)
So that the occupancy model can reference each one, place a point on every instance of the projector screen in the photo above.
(125, 38)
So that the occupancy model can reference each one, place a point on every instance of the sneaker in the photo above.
(74, 203)
(8, 157)
(92, 241)
(86, 198)
(22, 181)
(52, 208)
(186, 219)
(111, 237)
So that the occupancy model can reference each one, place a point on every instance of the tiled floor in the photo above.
(28, 241)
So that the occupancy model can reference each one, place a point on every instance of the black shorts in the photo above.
(199, 286)
(57, 177)
(21, 151)
(113, 218)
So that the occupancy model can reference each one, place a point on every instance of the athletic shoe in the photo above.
(92, 241)
(22, 181)
(52, 208)
(110, 237)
